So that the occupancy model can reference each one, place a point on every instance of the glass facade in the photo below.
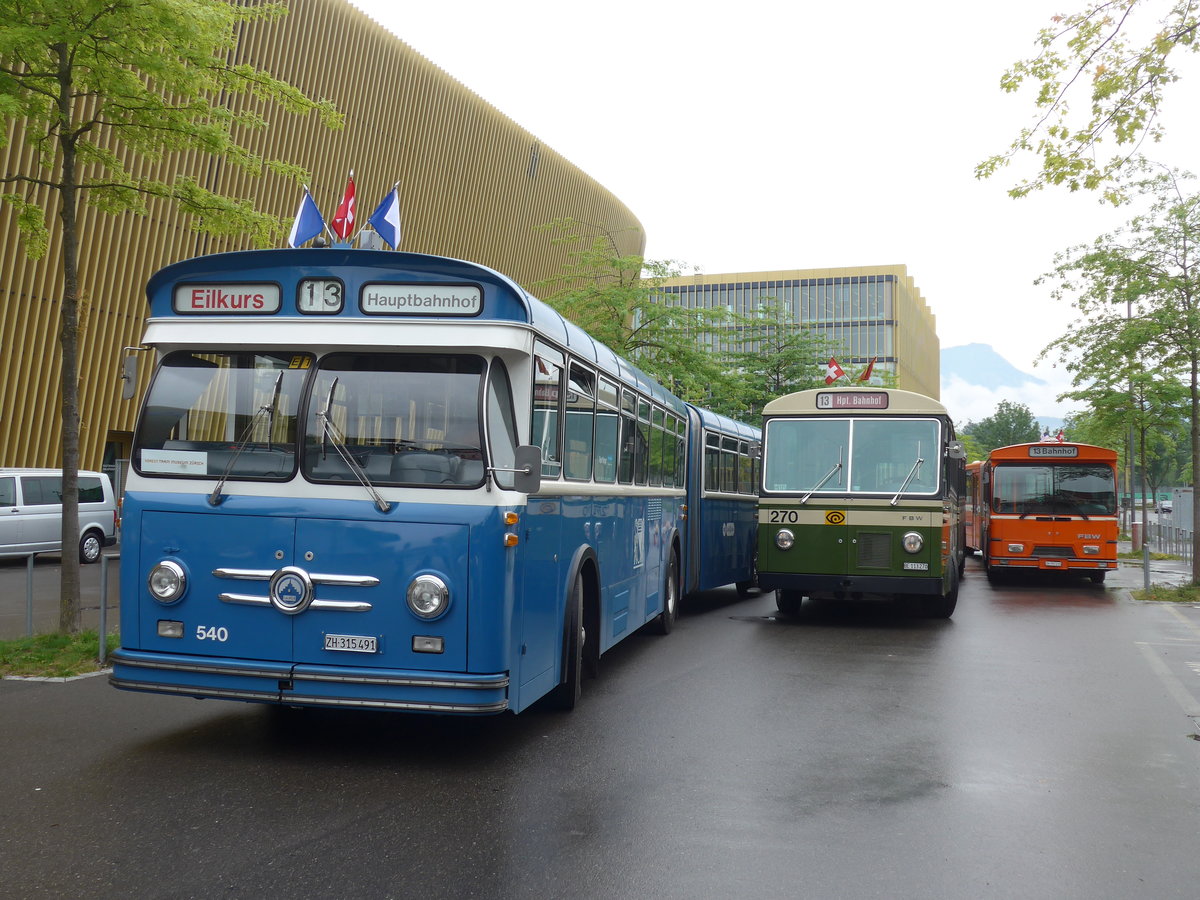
(873, 315)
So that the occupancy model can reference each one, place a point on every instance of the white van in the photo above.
(31, 513)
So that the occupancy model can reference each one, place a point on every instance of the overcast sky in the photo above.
(763, 135)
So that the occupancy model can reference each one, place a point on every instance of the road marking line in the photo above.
(1175, 687)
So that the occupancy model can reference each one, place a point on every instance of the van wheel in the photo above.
(89, 547)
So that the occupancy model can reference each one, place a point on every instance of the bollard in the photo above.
(1146, 565)
(103, 609)
(1136, 533)
(29, 595)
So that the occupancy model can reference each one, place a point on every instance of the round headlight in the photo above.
(167, 582)
(784, 539)
(428, 596)
(912, 542)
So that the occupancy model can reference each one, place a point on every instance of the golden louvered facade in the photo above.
(473, 185)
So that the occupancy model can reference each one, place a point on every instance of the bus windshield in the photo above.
(405, 418)
(397, 418)
(222, 413)
(1061, 489)
(853, 456)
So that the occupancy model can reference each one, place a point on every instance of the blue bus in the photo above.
(384, 480)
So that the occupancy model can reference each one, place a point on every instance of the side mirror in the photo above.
(527, 463)
(956, 450)
(129, 377)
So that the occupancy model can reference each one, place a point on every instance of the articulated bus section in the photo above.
(1048, 507)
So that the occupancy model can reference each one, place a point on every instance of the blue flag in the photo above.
(309, 221)
(386, 218)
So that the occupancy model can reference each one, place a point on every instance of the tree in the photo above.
(778, 356)
(1138, 294)
(1112, 49)
(618, 300)
(101, 88)
(1011, 423)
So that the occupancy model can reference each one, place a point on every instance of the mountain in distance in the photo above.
(978, 366)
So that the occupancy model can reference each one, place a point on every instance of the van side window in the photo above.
(8, 492)
(90, 490)
(42, 490)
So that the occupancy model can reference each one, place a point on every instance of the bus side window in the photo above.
(607, 433)
(547, 407)
(628, 436)
(712, 462)
(581, 414)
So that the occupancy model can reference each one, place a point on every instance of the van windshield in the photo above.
(210, 412)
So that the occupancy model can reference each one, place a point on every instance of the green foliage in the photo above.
(1117, 54)
(1134, 354)
(102, 87)
(1011, 423)
(779, 357)
(618, 300)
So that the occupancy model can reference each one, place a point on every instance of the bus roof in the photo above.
(717, 422)
(842, 400)
(506, 300)
(1041, 451)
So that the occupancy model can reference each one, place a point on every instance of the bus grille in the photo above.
(874, 550)
(1052, 552)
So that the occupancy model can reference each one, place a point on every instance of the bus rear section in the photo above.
(1049, 507)
(861, 497)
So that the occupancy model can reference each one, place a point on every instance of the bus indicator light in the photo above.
(511, 518)
(511, 540)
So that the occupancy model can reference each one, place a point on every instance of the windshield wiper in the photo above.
(911, 474)
(820, 484)
(268, 410)
(330, 431)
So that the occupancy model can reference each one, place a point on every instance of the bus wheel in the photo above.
(666, 619)
(1097, 577)
(745, 587)
(943, 607)
(788, 602)
(567, 694)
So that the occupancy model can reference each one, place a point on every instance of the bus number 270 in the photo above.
(784, 516)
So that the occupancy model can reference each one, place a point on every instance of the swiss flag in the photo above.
(834, 372)
(343, 219)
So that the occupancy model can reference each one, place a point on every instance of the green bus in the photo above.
(862, 496)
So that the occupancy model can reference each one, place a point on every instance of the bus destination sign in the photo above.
(422, 299)
(1043, 451)
(852, 400)
(226, 299)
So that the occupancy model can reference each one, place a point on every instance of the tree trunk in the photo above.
(68, 603)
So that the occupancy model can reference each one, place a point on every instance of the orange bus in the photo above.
(1049, 506)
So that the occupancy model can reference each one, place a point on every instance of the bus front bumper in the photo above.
(810, 585)
(309, 685)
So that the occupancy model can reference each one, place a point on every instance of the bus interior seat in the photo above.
(421, 468)
(470, 471)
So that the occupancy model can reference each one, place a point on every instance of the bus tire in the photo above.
(566, 695)
(745, 587)
(666, 619)
(1097, 577)
(788, 602)
(943, 607)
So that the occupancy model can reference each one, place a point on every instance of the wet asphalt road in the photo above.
(1038, 745)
